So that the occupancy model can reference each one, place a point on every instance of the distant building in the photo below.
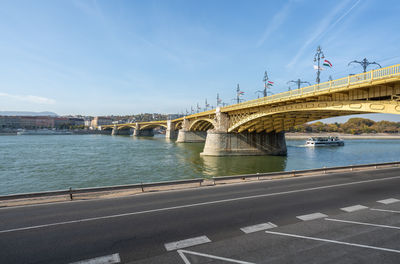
(99, 121)
(76, 121)
(26, 122)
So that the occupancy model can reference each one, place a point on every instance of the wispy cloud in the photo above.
(29, 98)
(325, 25)
(275, 23)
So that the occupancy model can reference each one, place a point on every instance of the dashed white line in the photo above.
(361, 223)
(197, 204)
(259, 227)
(186, 243)
(186, 260)
(353, 208)
(110, 259)
(313, 216)
(388, 201)
(333, 241)
(385, 210)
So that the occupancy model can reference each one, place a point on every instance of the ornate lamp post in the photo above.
(298, 82)
(364, 63)
(317, 57)
(238, 94)
(219, 101)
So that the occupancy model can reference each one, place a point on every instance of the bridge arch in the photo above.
(178, 125)
(125, 127)
(203, 124)
(284, 117)
(151, 126)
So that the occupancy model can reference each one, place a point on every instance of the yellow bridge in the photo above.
(257, 127)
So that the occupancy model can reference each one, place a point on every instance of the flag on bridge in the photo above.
(327, 63)
(320, 68)
(240, 93)
(270, 83)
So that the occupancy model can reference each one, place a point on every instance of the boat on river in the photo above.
(324, 141)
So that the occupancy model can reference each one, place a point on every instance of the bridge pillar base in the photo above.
(143, 133)
(244, 144)
(185, 136)
(116, 132)
(171, 134)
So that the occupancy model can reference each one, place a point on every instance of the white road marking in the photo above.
(353, 208)
(385, 210)
(361, 223)
(259, 227)
(313, 216)
(110, 259)
(388, 201)
(186, 243)
(198, 204)
(333, 241)
(185, 259)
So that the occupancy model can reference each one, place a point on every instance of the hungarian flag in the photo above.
(327, 63)
(269, 83)
(240, 93)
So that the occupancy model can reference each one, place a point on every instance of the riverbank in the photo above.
(343, 136)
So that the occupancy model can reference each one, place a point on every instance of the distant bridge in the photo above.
(257, 127)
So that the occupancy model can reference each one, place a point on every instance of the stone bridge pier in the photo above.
(187, 136)
(220, 142)
(171, 132)
(142, 132)
(115, 131)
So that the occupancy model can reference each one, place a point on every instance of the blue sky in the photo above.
(125, 57)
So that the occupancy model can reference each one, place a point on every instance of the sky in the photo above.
(127, 57)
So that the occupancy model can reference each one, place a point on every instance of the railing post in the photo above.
(372, 75)
(70, 193)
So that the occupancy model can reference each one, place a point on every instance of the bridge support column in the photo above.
(171, 132)
(221, 143)
(142, 133)
(186, 136)
(114, 131)
(244, 144)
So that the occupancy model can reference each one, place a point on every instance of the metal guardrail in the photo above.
(297, 172)
(142, 186)
(71, 191)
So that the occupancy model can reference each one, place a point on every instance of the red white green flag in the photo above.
(327, 63)
(240, 93)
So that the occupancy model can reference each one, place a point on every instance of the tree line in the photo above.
(352, 126)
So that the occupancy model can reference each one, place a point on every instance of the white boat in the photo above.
(324, 141)
(43, 132)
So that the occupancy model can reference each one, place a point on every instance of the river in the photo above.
(41, 163)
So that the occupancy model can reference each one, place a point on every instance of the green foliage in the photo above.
(352, 126)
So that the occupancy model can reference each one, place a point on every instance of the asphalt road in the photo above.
(138, 227)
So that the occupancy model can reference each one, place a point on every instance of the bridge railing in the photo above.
(333, 85)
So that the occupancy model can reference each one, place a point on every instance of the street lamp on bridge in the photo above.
(266, 85)
(206, 106)
(364, 63)
(298, 82)
(238, 94)
(219, 101)
(317, 57)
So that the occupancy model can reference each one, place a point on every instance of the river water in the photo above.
(40, 163)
